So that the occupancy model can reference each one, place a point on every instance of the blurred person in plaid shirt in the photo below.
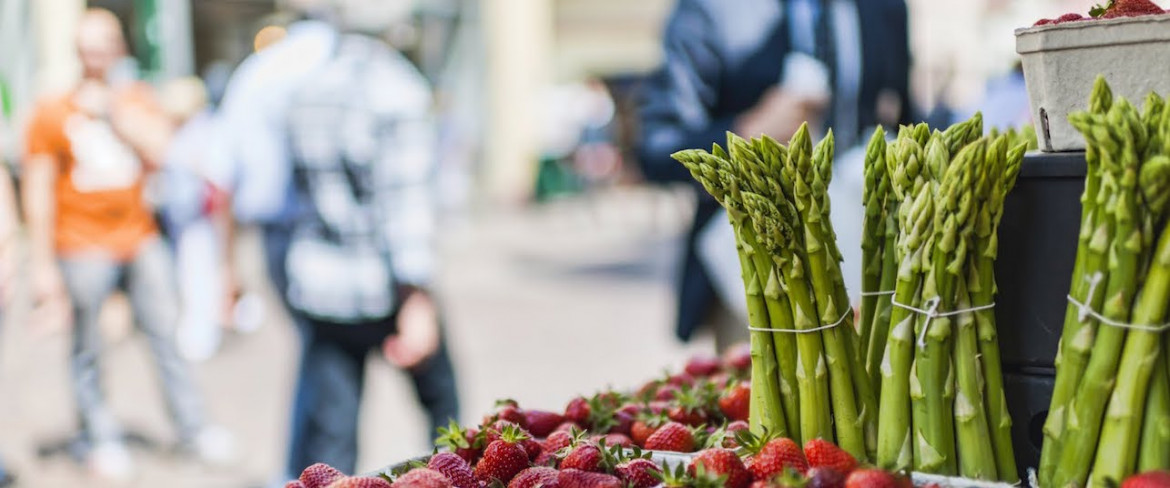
(332, 148)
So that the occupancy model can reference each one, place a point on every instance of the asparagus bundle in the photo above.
(1110, 411)
(942, 407)
(812, 384)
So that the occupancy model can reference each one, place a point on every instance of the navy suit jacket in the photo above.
(720, 57)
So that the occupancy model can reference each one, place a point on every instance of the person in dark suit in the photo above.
(763, 67)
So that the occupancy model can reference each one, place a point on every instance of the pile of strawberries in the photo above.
(599, 442)
(1111, 10)
(584, 463)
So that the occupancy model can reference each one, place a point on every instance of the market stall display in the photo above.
(1110, 412)
(913, 393)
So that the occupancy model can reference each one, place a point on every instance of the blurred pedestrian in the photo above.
(9, 233)
(91, 233)
(193, 211)
(331, 138)
(763, 67)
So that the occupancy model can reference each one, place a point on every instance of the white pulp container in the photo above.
(1062, 61)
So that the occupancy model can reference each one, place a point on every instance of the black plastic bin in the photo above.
(1037, 252)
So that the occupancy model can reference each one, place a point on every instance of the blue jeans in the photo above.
(148, 278)
(331, 374)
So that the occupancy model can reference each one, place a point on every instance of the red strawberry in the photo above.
(534, 477)
(667, 393)
(721, 378)
(492, 432)
(775, 457)
(1042, 22)
(644, 427)
(465, 443)
(422, 478)
(558, 440)
(616, 439)
(533, 447)
(648, 389)
(822, 453)
(365, 482)
(720, 462)
(455, 468)
(733, 429)
(1149, 479)
(825, 478)
(575, 478)
(681, 379)
(585, 457)
(738, 358)
(701, 366)
(567, 426)
(609, 399)
(658, 407)
(687, 415)
(672, 437)
(320, 475)
(541, 423)
(503, 458)
(871, 478)
(622, 422)
(577, 411)
(1069, 17)
(734, 402)
(638, 473)
(512, 414)
(547, 459)
(294, 484)
(631, 408)
(1131, 8)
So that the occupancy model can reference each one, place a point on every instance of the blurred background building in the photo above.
(488, 58)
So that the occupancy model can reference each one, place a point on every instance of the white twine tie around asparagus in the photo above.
(804, 331)
(1085, 310)
(877, 293)
(931, 312)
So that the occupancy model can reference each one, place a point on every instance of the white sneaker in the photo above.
(215, 445)
(111, 461)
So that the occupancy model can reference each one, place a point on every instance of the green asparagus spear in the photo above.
(1123, 418)
(1088, 405)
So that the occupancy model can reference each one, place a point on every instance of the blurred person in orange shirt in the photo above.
(91, 233)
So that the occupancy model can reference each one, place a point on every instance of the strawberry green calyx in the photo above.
(1099, 10)
(513, 434)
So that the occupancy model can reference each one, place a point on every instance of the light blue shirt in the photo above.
(254, 164)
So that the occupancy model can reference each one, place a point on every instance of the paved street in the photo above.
(543, 303)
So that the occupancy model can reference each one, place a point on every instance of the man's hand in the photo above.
(418, 332)
(9, 264)
(779, 114)
(50, 299)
